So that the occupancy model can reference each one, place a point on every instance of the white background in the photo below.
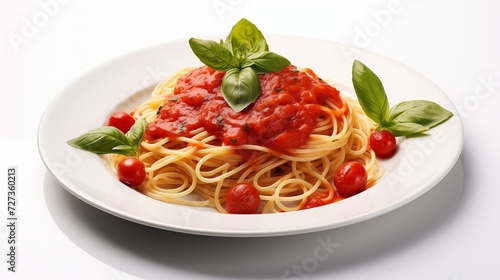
(450, 233)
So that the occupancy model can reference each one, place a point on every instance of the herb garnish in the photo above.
(111, 140)
(243, 56)
(220, 120)
(403, 119)
(180, 129)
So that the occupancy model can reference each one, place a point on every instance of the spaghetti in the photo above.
(194, 154)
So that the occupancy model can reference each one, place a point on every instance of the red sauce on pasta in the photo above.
(282, 117)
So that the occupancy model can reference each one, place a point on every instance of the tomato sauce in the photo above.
(281, 118)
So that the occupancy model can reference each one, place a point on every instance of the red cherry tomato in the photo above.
(242, 198)
(131, 172)
(350, 179)
(383, 143)
(123, 121)
(312, 202)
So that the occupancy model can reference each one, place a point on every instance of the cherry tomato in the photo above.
(131, 172)
(383, 143)
(123, 121)
(350, 179)
(242, 198)
(312, 202)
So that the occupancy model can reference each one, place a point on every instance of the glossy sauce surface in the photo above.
(281, 118)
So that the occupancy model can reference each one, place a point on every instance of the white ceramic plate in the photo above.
(87, 102)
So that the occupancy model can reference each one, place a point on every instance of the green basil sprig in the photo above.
(403, 119)
(111, 140)
(243, 56)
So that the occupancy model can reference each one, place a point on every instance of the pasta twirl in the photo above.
(197, 167)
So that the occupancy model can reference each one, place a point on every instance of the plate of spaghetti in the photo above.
(226, 138)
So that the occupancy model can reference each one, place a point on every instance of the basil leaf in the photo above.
(423, 112)
(102, 140)
(136, 132)
(245, 32)
(240, 54)
(405, 129)
(212, 54)
(240, 87)
(124, 149)
(243, 55)
(370, 92)
(265, 62)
